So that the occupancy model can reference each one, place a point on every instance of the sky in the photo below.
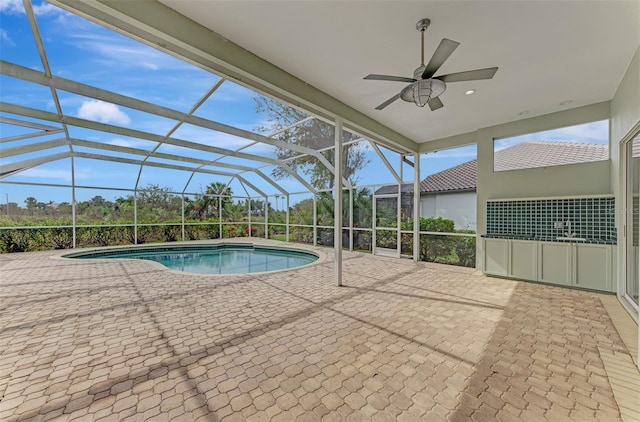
(85, 52)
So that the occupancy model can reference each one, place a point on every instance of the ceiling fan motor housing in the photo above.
(421, 91)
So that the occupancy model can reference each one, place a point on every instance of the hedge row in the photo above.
(446, 249)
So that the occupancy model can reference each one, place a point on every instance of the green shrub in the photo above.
(298, 234)
(172, 233)
(95, 236)
(465, 248)
(362, 240)
(13, 241)
(58, 238)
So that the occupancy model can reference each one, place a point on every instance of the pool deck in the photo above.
(123, 340)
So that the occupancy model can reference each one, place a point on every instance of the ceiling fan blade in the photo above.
(389, 78)
(389, 101)
(469, 75)
(441, 54)
(435, 103)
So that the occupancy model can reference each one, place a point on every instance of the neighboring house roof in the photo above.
(391, 189)
(461, 178)
(533, 154)
(530, 154)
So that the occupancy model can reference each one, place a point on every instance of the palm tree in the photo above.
(219, 195)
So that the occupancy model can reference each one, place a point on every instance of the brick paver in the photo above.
(111, 340)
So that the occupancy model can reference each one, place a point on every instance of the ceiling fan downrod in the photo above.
(422, 26)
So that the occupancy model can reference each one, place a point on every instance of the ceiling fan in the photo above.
(425, 89)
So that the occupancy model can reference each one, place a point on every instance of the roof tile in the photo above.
(530, 154)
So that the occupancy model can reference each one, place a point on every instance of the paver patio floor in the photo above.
(127, 340)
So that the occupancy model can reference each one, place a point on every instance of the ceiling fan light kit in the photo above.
(424, 88)
(420, 92)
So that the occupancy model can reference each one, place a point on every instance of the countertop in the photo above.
(539, 238)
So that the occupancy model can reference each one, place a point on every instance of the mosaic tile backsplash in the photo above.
(591, 218)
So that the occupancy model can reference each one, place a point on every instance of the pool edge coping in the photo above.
(319, 252)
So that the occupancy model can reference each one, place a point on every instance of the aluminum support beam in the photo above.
(32, 125)
(162, 27)
(135, 217)
(416, 207)
(337, 206)
(14, 168)
(315, 220)
(351, 220)
(9, 152)
(386, 162)
(179, 123)
(37, 146)
(44, 115)
(182, 213)
(266, 218)
(287, 220)
(118, 130)
(29, 136)
(24, 73)
(73, 200)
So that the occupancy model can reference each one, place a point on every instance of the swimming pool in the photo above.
(211, 259)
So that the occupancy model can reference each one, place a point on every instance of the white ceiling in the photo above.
(547, 52)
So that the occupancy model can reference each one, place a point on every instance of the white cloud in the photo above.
(113, 49)
(15, 7)
(5, 37)
(11, 7)
(46, 9)
(150, 66)
(595, 132)
(102, 112)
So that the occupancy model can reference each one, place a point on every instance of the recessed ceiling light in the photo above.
(522, 113)
(470, 92)
(564, 103)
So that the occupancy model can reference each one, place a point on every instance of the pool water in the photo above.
(223, 259)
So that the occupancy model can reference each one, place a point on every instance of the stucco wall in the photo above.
(459, 207)
(558, 181)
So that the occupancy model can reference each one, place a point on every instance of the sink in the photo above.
(577, 239)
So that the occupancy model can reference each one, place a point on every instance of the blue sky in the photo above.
(82, 51)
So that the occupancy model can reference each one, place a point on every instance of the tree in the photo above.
(313, 134)
(31, 203)
(155, 196)
(98, 201)
(208, 203)
(222, 194)
(234, 212)
(156, 203)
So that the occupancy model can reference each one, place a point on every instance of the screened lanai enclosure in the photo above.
(109, 141)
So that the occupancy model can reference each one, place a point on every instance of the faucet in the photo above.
(569, 234)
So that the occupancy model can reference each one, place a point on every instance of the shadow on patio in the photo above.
(401, 341)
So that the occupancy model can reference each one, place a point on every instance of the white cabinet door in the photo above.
(555, 263)
(592, 264)
(496, 256)
(523, 259)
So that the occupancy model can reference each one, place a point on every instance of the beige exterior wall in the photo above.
(459, 207)
(568, 180)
